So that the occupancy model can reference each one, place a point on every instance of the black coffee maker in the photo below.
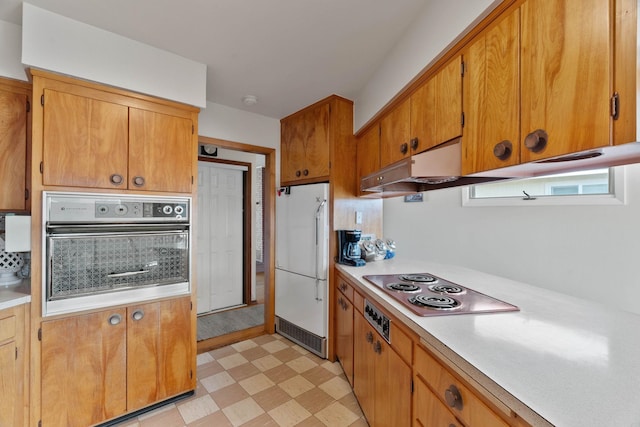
(349, 249)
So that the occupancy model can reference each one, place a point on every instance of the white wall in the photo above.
(586, 251)
(437, 26)
(222, 122)
(60, 44)
(10, 51)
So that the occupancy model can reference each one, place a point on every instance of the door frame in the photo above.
(269, 250)
(247, 234)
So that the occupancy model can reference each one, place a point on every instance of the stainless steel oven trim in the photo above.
(83, 303)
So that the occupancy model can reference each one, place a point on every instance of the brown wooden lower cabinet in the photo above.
(381, 379)
(102, 365)
(456, 400)
(13, 378)
(344, 334)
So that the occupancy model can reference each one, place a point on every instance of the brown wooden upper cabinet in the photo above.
(14, 125)
(368, 152)
(304, 155)
(96, 139)
(430, 116)
(537, 84)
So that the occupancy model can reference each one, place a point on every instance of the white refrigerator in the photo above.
(302, 267)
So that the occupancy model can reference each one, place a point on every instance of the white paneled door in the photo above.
(219, 236)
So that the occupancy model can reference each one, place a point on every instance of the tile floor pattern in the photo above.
(264, 381)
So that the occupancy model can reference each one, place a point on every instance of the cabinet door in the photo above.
(13, 150)
(291, 150)
(316, 150)
(85, 141)
(364, 373)
(392, 386)
(9, 392)
(395, 133)
(344, 335)
(436, 108)
(84, 369)
(565, 76)
(160, 152)
(492, 98)
(159, 362)
(368, 152)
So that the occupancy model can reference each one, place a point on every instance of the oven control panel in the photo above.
(68, 208)
(123, 209)
(378, 320)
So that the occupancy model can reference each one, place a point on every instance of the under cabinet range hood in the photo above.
(439, 167)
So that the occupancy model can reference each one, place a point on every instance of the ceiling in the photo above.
(287, 53)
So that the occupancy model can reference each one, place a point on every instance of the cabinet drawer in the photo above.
(428, 410)
(462, 402)
(345, 288)
(7, 328)
(401, 342)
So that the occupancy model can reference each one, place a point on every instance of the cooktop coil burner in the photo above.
(420, 278)
(447, 289)
(435, 302)
(403, 287)
(427, 295)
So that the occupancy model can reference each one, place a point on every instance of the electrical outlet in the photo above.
(358, 217)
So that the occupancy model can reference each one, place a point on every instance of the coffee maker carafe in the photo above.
(349, 248)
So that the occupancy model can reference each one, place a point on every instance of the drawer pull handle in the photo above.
(115, 319)
(137, 315)
(453, 398)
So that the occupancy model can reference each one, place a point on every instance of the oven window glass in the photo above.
(92, 264)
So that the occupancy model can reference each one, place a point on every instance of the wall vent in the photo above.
(304, 338)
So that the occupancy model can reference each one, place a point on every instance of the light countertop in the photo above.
(560, 360)
(11, 296)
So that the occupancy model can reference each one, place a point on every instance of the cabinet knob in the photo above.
(536, 140)
(414, 144)
(377, 347)
(116, 179)
(305, 172)
(503, 149)
(343, 287)
(453, 398)
(404, 148)
(137, 315)
(369, 337)
(298, 174)
(138, 181)
(115, 319)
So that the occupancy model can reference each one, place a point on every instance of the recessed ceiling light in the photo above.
(249, 100)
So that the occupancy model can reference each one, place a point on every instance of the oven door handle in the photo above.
(128, 273)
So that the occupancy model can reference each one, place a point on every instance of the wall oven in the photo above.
(107, 249)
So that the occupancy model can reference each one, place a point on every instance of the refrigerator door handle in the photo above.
(317, 250)
(318, 290)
